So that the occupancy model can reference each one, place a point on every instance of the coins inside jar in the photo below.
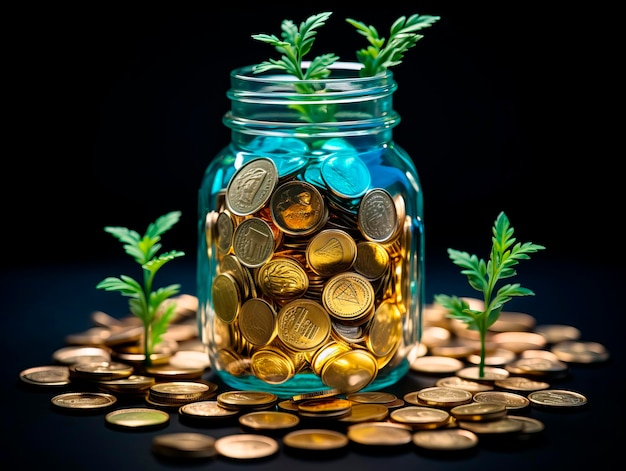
(310, 275)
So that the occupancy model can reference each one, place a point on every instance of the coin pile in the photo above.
(310, 275)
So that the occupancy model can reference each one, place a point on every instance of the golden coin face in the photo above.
(251, 186)
(297, 207)
(253, 242)
(283, 278)
(303, 325)
(350, 371)
(331, 251)
(272, 366)
(257, 321)
(372, 260)
(348, 297)
(226, 297)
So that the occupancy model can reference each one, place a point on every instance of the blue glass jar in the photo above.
(310, 273)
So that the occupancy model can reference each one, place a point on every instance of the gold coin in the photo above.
(272, 365)
(137, 417)
(380, 434)
(445, 439)
(372, 260)
(331, 251)
(226, 297)
(350, 371)
(269, 420)
(456, 382)
(491, 427)
(443, 397)
(244, 446)
(184, 445)
(580, 352)
(257, 321)
(477, 411)
(315, 439)
(297, 208)
(303, 325)
(385, 330)
(210, 410)
(84, 401)
(366, 413)
(283, 278)
(49, 376)
(349, 297)
(246, 399)
(435, 364)
(420, 416)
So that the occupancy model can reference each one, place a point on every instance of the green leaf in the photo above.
(380, 54)
(484, 277)
(160, 324)
(156, 263)
(144, 302)
(296, 43)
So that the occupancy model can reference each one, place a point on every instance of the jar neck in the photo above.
(343, 105)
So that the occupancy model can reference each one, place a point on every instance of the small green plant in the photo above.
(378, 56)
(484, 277)
(297, 42)
(146, 303)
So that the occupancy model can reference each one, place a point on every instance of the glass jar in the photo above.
(311, 238)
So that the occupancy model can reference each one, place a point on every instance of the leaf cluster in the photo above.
(296, 43)
(381, 53)
(145, 303)
(484, 276)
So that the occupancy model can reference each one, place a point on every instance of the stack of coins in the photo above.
(310, 276)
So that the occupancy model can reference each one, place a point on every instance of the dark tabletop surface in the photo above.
(42, 305)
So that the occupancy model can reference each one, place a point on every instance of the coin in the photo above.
(380, 434)
(184, 445)
(49, 375)
(269, 420)
(246, 446)
(137, 417)
(478, 411)
(434, 364)
(84, 401)
(315, 439)
(557, 398)
(445, 439)
(511, 401)
(580, 352)
(420, 416)
(209, 410)
(251, 186)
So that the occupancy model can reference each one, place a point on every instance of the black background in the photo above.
(114, 114)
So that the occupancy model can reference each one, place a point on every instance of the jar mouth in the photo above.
(341, 71)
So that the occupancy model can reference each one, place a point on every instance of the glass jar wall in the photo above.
(311, 237)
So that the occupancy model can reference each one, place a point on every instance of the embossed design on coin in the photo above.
(303, 324)
(297, 207)
(251, 186)
(253, 242)
(349, 297)
(377, 216)
(331, 251)
(560, 398)
(283, 278)
(346, 175)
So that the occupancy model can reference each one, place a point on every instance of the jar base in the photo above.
(305, 383)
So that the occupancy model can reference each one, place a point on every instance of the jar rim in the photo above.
(348, 72)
